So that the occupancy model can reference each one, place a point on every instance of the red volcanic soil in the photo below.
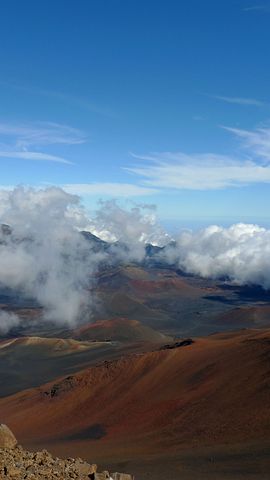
(169, 284)
(121, 330)
(214, 391)
(142, 282)
(255, 316)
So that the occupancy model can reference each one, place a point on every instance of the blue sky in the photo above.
(157, 102)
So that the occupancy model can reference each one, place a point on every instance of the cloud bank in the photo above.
(240, 253)
(129, 230)
(8, 321)
(45, 257)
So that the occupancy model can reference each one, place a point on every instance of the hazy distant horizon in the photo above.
(172, 226)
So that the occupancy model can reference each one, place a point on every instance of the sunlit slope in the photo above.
(120, 330)
(31, 361)
(213, 391)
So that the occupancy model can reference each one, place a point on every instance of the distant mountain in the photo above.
(96, 242)
(152, 252)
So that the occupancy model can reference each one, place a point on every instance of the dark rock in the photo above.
(182, 343)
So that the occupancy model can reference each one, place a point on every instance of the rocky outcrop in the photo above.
(7, 439)
(183, 343)
(17, 464)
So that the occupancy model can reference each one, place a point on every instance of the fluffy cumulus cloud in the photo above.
(240, 253)
(8, 321)
(43, 255)
(129, 229)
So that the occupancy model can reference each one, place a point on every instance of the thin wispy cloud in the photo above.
(256, 142)
(199, 172)
(24, 141)
(208, 171)
(41, 134)
(240, 101)
(67, 98)
(198, 118)
(108, 189)
(252, 8)
(35, 156)
(78, 102)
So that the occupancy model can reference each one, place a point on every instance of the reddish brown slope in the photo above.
(251, 316)
(215, 391)
(120, 330)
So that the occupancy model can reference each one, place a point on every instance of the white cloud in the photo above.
(108, 189)
(206, 171)
(240, 100)
(46, 257)
(199, 172)
(21, 141)
(8, 320)
(256, 142)
(41, 133)
(132, 227)
(240, 253)
(35, 156)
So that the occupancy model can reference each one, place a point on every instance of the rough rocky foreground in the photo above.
(18, 464)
